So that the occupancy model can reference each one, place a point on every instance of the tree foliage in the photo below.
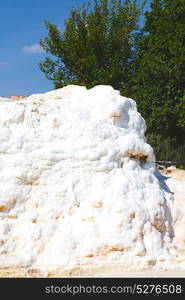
(159, 81)
(96, 47)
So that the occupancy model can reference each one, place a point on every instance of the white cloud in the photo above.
(35, 48)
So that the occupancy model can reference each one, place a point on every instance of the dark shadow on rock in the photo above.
(168, 214)
(162, 182)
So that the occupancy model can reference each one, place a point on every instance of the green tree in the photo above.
(98, 46)
(158, 84)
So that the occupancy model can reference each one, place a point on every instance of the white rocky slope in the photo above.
(78, 184)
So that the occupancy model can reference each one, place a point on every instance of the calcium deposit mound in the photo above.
(79, 186)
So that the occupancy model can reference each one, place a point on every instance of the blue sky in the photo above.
(22, 26)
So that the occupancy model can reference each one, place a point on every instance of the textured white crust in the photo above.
(78, 183)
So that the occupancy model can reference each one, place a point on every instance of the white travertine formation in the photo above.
(78, 183)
